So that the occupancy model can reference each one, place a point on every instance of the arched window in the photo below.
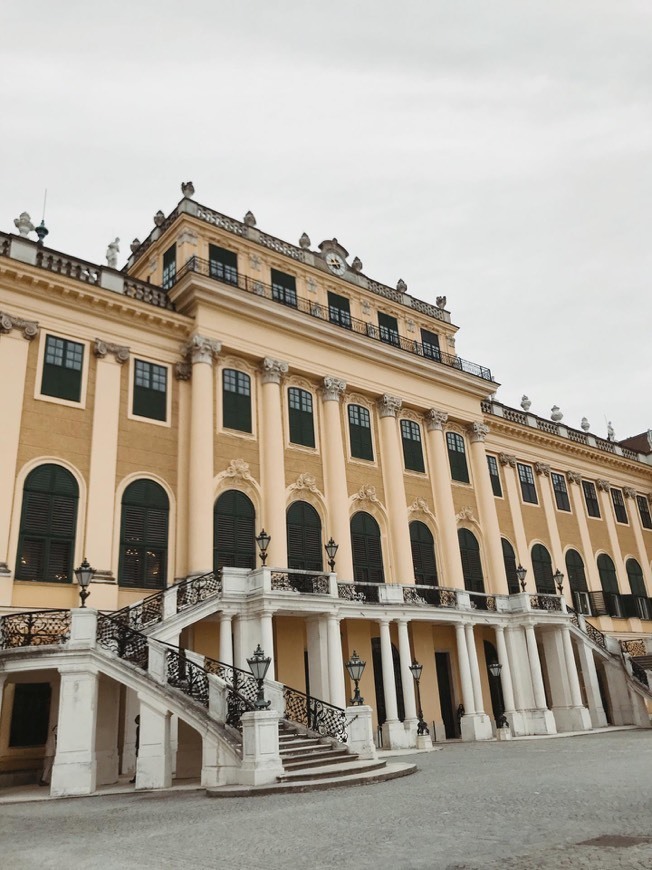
(423, 554)
(144, 536)
(236, 400)
(48, 521)
(234, 543)
(471, 563)
(304, 538)
(457, 457)
(367, 549)
(412, 449)
(575, 572)
(509, 560)
(607, 572)
(360, 432)
(635, 577)
(302, 428)
(542, 564)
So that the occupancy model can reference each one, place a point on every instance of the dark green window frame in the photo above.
(150, 390)
(234, 531)
(367, 549)
(63, 365)
(430, 344)
(528, 486)
(543, 574)
(388, 329)
(284, 288)
(509, 561)
(457, 457)
(30, 714)
(236, 400)
(575, 572)
(360, 433)
(412, 447)
(644, 511)
(591, 499)
(304, 539)
(339, 310)
(424, 562)
(144, 530)
(608, 576)
(223, 264)
(302, 428)
(494, 476)
(635, 577)
(561, 491)
(169, 267)
(471, 561)
(619, 506)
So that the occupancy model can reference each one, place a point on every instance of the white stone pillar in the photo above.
(273, 460)
(335, 476)
(440, 476)
(202, 352)
(535, 668)
(402, 569)
(154, 762)
(475, 668)
(512, 488)
(478, 431)
(335, 662)
(226, 638)
(267, 641)
(389, 682)
(592, 687)
(104, 458)
(182, 373)
(571, 667)
(75, 765)
(261, 761)
(409, 700)
(360, 733)
(465, 670)
(317, 641)
(506, 671)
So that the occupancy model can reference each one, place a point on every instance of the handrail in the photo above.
(149, 611)
(35, 628)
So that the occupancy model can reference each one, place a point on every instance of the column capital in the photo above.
(119, 352)
(273, 370)
(333, 389)
(574, 477)
(629, 492)
(542, 468)
(499, 628)
(29, 328)
(383, 620)
(507, 459)
(435, 419)
(183, 371)
(201, 349)
(389, 406)
(603, 485)
(478, 431)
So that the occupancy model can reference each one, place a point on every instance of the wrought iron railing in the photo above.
(366, 593)
(196, 589)
(34, 628)
(143, 613)
(545, 602)
(480, 601)
(322, 312)
(187, 676)
(595, 634)
(433, 596)
(242, 689)
(639, 673)
(305, 582)
(117, 637)
(316, 715)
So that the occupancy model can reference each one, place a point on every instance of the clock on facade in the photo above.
(335, 263)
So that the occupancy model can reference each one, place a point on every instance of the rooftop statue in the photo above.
(112, 253)
(24, 224)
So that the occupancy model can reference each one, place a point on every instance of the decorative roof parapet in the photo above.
(29, 328)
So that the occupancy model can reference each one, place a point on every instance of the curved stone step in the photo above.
(344, 768)
(315, 759)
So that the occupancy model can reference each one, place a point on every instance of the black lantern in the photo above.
(495, 669)
(355, 666)
(331, 552)
(520, 573)
(259, 665)
(415, 670)
(84, 575)
(263, 540)
(559, 580)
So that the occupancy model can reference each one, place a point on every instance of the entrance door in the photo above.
(446, 701)
(380, 685)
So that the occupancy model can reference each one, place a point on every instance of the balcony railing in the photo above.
(433, 596)
(363, 592)
(343, 320)
(307, 582)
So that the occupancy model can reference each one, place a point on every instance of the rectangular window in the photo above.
(388, 327)
(457, 457)
(62, 369)
(302, 430)
(236, 400)
(591, 499)
(150, 390)
(528, 487)
(360, 433)
(644, 511)
(412, 449)
(619, 506)
(560, 490)
(223, 264)
(339, 310)
(430, 344)
(30, 714)
(494, 476)
(169, 267)
(284, 288)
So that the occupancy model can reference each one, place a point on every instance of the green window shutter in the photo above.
(607, 572)
(360, 432)
(494, 476)
(471, 563)
(304, 538)
(412, 449)
(234, 533)
(509, 560)
(144, 536)
(367, 549)
(63, 365)
(542, 565)
(423, 554)
(300, 417)
(150, 390)
(457, 457)
(236, 400)
(635, 577)
(575, 572)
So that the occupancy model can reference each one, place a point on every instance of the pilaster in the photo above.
(273, 459)
(335, 475)
(478, 431)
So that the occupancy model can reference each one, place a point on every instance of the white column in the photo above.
(272, 470)
(571, 668)
(183, 373)
(202, 351)
(318, 665)
(335, 662)
(506, 671)
(75, 765)
(267, 641)
(154, 763)
(475, 668)
(440, 478)
(394, 483)
(389, 683)
(405, 657)
(487, 508)
(335, 476)
(465, 670)
(592, 686)
(226, 638)
(512, 488)
(535, 668)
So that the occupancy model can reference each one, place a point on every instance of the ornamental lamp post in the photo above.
(415, 670)
(84, 574)
(331, 551)
(263, 540)
(558, 577)
(355, 666)
(259, 665)
(494, 669)
(520, 574)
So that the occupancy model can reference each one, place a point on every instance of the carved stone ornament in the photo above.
(367, 492)
(366, 307)
(440, 302)
(159, 218)
(629, 492)
(29, 328)
(401, 286)
(420, 506)
(603, 485)
(333, 389)
(201, 349)
(24, 224)
(188, 237)
(507, 459)
(574, 477)
(465, 514)
(133, 247)
(183, 371)
(273, 370)
(411, 326)
(525, 403)
(119, 351)
(542, 468)
(356, 265)
(389, 406)
(451, 341)
(255, 262)
(311, 284)
(436, 419)
(478, 431)
(187, 189)
(304, 241)
(237, 468)
(305, 481)
(249, 219)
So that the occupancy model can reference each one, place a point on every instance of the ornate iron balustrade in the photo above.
(300, 581)
(35, 628)
(480, 601)
(345, 321)
(191, 592)
(366, 593)
(596, 636)
(243, 689)
(634, 647)
(144, 613)
(551, 603)
(117, 637)
(575, 621)
(316, 715)
(185, 675)
(639, 673)
(433, 596)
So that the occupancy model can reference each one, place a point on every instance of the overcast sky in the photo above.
(498, 153)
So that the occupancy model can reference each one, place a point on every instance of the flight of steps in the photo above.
(311, 762)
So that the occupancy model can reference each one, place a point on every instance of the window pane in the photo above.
(430, 344)
(388, 327)
(644, 511)
(301, 419)
(528, 487)
(412, 449)
(62, 369)
(339, 310)
(169, 267)
(560, 490)
(223, 264)
(360, 432)
(284, 288)
(591, 499)
(457, 457)
(494, 476)
(236, 400)
(144, 536)
(150, 390)
(619, 506)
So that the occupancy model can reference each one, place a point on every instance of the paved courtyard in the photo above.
(524, 804)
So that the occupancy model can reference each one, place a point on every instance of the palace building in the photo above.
(156, 419)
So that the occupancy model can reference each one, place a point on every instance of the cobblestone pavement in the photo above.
(517, 806)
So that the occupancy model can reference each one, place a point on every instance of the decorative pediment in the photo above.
(237, 468)
(466, 515)
(367, 492)
(420, 506)
(305, 482)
